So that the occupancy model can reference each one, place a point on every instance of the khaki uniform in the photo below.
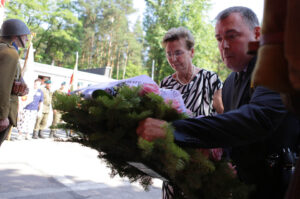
(41, 121)
(9, 71)
(56, 113)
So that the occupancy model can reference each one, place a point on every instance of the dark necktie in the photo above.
(238, 82)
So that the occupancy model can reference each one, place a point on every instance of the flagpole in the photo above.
(2, 16)
(30, 48)
(152, 74)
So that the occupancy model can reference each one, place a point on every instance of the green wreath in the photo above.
(108, 124)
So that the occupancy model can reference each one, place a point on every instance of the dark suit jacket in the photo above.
(231, 101)
(258, 127)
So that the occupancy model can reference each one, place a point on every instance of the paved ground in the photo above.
(46, 169)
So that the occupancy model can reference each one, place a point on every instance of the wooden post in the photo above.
(9, 134)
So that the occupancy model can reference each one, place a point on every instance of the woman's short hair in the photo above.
(179, 33)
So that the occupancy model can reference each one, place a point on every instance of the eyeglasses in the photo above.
(176, 54)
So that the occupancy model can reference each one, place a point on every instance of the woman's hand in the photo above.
(217, 102)
(151, 129)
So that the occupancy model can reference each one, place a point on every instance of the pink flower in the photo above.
(175, 104)
(149, 88)
(232, 169)
(216, 154)
(205, 152)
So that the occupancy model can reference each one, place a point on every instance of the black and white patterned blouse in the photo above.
(198, 94)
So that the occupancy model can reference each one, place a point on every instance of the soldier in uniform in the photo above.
(11, 83)
(56, 113)
(42, 119)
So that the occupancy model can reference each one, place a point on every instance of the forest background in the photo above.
(100, 31)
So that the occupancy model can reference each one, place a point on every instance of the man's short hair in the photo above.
(247, 14)
(38, 80)
(179, 33)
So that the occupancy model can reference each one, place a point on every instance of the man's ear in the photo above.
(192, 52)
(257, 32)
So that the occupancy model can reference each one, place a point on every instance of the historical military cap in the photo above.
(48, 82)
(13, 27)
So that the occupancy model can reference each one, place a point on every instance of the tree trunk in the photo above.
(118, 59)
(88, 53)
(104, 58)
(83, 59)
(101, 55)
(109, 50)
(125, 64)
(92, 51)
(112, 61)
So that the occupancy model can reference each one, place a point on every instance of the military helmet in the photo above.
(14, 27)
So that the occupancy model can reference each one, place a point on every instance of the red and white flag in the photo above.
(73, 79)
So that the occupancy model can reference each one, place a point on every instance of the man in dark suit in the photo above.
(255, 123)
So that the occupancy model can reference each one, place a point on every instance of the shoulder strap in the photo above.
(4, 44)
(18, 76)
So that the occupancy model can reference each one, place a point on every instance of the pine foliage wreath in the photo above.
(108, 124)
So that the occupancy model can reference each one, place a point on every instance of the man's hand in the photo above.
(20, 88)
(24, 90)
(151, 129)
(4, 124)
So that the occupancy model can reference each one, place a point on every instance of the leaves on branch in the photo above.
(108, 124)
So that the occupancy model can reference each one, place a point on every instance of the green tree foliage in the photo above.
(133, 70)
(98, 30)
(107, 38)
(161, 15)
(101, 32)
(54, 23)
